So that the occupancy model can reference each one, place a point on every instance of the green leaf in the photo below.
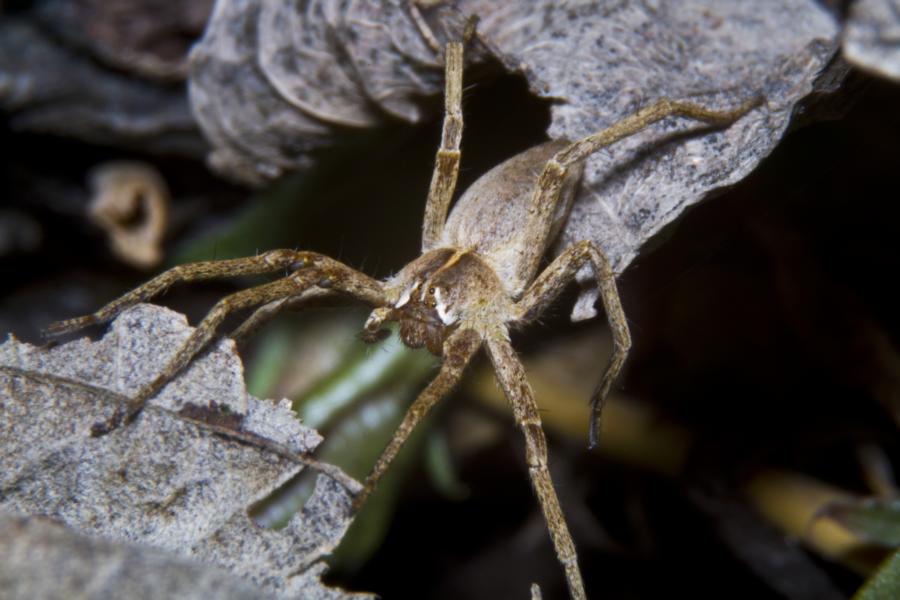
(885, 583)
(441, 468)
(371, 368)
(359, 402)
(875, 520)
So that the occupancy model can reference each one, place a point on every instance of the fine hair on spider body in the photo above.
(476, 278)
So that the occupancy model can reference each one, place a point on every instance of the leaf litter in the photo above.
(179, 480)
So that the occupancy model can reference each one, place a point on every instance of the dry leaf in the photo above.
(130, 202)
(181, 478)
(272, 81)
(605, 62)
(872, 37)
(89, 567)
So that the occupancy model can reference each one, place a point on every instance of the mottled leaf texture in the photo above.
(178, 481)
(32, 548)
(605, 60)
(872, 37)
(271, 80)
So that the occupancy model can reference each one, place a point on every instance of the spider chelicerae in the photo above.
(477, 277)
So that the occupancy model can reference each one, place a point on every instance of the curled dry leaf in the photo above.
(181, 478)
(599, 61)
(872, 37)
(130, 202)
(272, 81)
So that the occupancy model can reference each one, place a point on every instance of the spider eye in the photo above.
(431, 291)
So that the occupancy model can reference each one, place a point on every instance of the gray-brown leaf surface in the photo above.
(605, 61)
(272, 81)
(181, 478)
(872, 37)
(32, 548)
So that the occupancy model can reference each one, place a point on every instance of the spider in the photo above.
(477, 277)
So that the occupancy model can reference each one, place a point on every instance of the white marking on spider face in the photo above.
(447, 317)
(407, 293)
(373, 321)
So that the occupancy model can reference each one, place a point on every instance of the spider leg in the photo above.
(446, 162)
(548, 285)
(315, 270)
(265, 313)
(542, 206)
(458, 351)
(274, 260)
(511, 375)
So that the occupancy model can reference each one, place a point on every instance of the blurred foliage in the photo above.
(875, 520)
(885, 583)
(356, 398)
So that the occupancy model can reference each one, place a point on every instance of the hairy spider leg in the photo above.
(267, 262)
(563, 269)
(546, 195)
(511, 375)
(446, 162)
(270, 310)
(458, 351)
(545, 289)
(310, 269)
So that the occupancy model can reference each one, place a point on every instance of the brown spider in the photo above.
(477, 277)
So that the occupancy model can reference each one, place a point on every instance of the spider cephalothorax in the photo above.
(478, 273)
(438, 293)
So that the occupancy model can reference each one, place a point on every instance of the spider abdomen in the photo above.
(490, 216)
